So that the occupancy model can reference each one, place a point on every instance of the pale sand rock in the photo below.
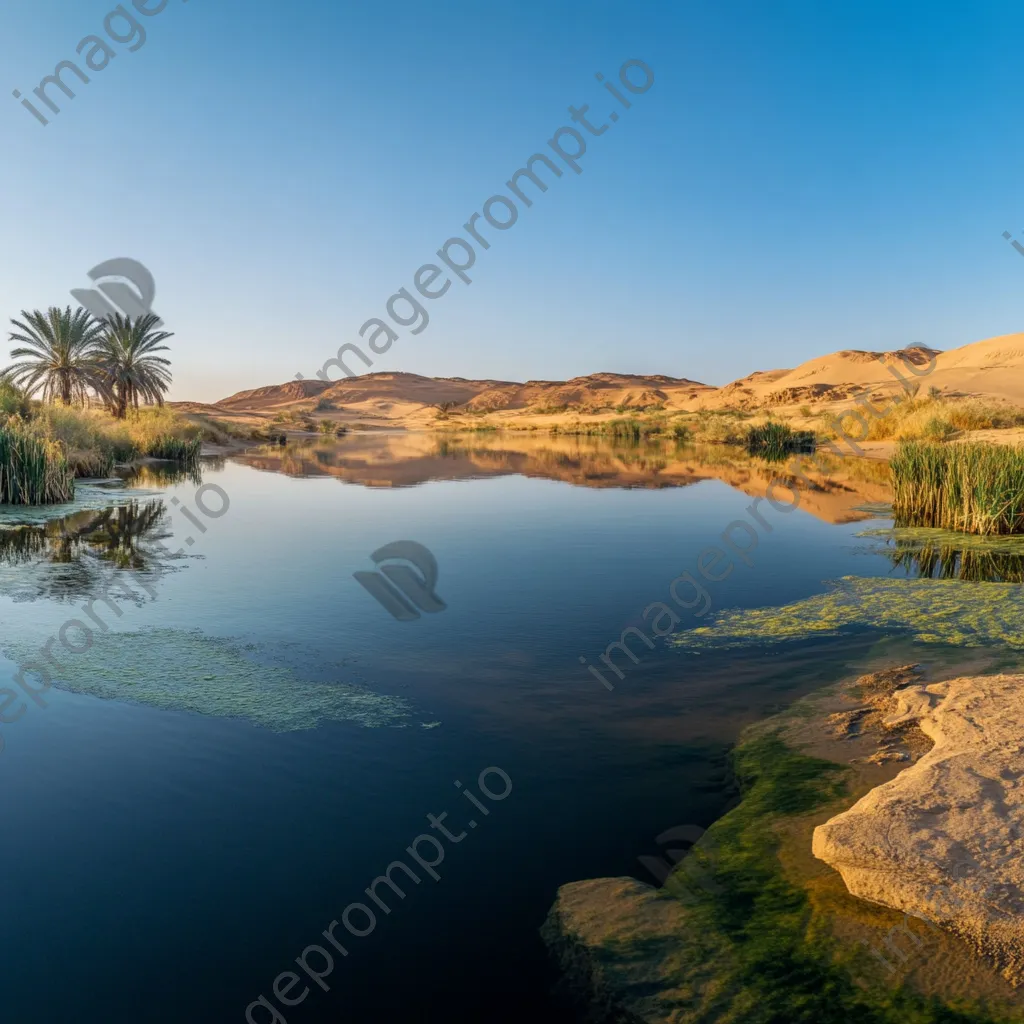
(943, 840)
(617, 942)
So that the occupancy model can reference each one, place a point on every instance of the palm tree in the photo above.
(130, 369)
(58, 354)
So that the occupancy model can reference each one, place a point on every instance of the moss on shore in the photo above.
(750, 929)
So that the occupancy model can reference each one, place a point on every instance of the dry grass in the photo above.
(938, 419)
(95, 442)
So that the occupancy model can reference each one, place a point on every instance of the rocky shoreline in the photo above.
(906, 783)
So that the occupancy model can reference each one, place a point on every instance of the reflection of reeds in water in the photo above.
(949, 562)
(973, 488)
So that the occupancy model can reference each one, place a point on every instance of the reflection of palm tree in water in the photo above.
(70, 551)
(112, 534)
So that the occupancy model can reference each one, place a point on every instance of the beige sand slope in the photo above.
(992, 369)
(411, 400)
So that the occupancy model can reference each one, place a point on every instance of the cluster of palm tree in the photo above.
(69, 356)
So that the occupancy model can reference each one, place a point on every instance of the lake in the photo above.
(251, 739)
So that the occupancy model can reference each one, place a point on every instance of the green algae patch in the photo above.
(182, 670)
(760, 946)
(936, 611)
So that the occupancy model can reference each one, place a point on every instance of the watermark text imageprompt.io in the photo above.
(95, 52)
(741, 536)
(499, 212)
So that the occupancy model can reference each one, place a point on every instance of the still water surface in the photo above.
(189, 811)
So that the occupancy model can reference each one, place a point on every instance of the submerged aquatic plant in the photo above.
(931, 611)
(758, 943)
(969, 487)
(189, 671)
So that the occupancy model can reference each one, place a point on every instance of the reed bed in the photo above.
(33, 470)
(174, 449)
(776, 440)
(968, 487)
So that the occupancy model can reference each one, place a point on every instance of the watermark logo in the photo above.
(133, 299)
(403, 590)
(695, 874)
(1013, 241)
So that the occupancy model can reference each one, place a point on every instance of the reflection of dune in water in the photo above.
(931, 611)
(182, 670)
(835, 494)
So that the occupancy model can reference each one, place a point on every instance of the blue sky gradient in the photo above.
(802, 177)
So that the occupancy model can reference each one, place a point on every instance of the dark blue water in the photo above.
(162, 864)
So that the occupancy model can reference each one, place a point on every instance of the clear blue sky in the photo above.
(802, 177)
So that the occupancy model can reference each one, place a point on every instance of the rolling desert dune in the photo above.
(991, 369)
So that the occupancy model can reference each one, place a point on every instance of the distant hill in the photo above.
(993, 368)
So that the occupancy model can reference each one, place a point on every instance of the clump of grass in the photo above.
(95, 442)
(33, 470)
(775, 439)
(971, 488)
(937, 418)
(326, 427)
(174, 449)
(632, 429)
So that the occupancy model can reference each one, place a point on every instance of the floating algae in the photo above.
(931, 611)
(183, 670)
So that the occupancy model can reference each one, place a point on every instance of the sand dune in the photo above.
(992, 369)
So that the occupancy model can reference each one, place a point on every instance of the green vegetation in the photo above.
(776, 440)
(57, 354)
(33, 471)
(75, 364)
(931, 611)
(758, 945)
(972, 488)
(67, 355)
(632, 429)
(175, 449)
(211, 676)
